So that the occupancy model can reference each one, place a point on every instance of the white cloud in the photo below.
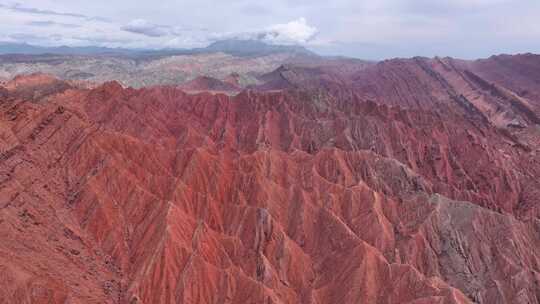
(296, 31)
(141, 26)
(18, 7)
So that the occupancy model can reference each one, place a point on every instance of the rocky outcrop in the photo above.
(205, 83)
(389, 191)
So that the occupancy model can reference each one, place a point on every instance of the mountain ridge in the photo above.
(236, 47)
(398, 182)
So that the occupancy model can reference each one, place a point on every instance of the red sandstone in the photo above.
(410, 181)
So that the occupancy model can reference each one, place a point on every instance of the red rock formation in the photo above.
(205, 83)
(233, 79)
(391, 186)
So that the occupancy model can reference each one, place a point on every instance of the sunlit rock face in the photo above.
(406, 181)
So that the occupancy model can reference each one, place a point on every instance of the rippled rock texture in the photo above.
(409, 181)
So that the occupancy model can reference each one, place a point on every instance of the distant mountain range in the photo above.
(253, 47)
(23, 48)
(234, 47)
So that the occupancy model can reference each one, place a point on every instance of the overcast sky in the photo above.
(374, 29)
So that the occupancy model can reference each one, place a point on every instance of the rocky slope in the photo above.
(408, 181)
(205, 83)
(160, 70)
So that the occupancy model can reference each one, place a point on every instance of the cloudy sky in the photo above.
(374, 29)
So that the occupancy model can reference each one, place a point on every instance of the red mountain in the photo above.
(406, 181)
(205, 83)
